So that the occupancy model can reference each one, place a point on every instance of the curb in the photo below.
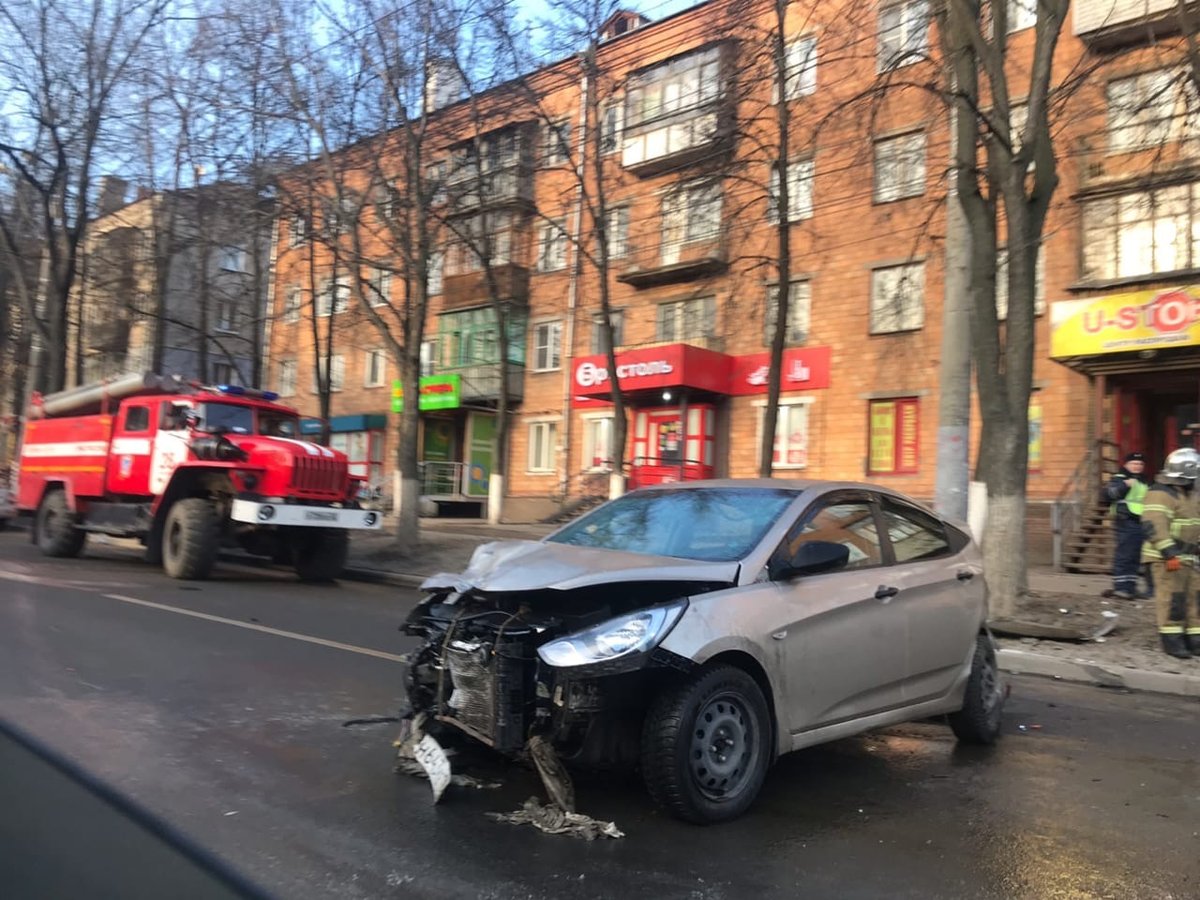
(1022, 662)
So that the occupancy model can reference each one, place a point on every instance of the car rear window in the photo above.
(717, 525)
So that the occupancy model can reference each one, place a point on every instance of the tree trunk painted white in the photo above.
(1004, 554)
(977, 509)
(616, 485)
(495, 502)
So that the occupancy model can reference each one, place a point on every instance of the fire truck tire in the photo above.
(191, 538)
(57, 534)
(321, 553)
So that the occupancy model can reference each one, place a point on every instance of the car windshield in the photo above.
(708, 525)
(277, 424)
(226, 418)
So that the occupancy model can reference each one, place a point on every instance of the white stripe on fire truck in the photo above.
(131, 446)
(84, 448)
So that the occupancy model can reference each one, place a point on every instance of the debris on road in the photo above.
(552, 819)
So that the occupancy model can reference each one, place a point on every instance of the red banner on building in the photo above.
(804, 369)
(653, 368)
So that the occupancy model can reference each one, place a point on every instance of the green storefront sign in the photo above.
(437, 392)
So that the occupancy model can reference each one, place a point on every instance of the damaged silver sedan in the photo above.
(699, 630)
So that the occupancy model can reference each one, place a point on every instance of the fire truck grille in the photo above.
(319, 474)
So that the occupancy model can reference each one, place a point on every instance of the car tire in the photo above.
(978, 722)
(191, 538)
(57, 533)
(321, 553)
(706, 746)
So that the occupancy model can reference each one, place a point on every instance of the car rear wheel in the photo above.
(706, 746)
(57, 533)
(191, 538)
(978, 722)
(321, 553)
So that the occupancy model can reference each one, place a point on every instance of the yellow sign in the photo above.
(1035, 434)
(1119, 323)
(883, 437)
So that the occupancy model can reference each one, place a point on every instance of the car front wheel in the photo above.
(978, 722)
(706, 746)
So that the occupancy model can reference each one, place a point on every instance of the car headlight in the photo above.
(634, 632)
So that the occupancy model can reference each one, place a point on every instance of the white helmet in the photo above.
(1182, 466)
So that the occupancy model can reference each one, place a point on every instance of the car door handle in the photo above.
(965, 575)
(883, 592)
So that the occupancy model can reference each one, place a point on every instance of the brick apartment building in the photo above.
(1118, 343)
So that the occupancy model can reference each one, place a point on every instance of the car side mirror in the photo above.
(813, 558)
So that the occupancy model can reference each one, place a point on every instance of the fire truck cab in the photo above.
(186, 468)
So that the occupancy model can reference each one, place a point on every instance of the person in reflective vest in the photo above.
(1171, 522)
(1125, 493)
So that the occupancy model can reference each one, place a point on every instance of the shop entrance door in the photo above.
(1155, 413)
(667, 449)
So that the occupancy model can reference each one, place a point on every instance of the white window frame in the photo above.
(233, 259)
(603, 424)
(801, 173)
(683, 313)
(899, 167)
(1144, 233)
(1039, 287)
(618, 232)
(799, 312)
(909, 314)
(293, 299)
(381, 288)
(617, 317)
(375, 368)
(801, 74)
(552, 246)
(612, 121)
(904, 41)
(227, 315)
(556, 142)
(547, 444)
(286, 378)
(1022, 14)
(231, 373)
(337, 376)
(1147, 115)
(547, 346)
(784, 428)
(428, 357)
(297, 230)
(435, 273)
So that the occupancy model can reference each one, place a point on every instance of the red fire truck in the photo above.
(186, 468)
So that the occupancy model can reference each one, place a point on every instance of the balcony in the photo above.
(670, 144)
(654, 262)
(462, 291)
(1111, 23)
(107, 337)
(1101, 166)
(481, 381)
(510, 187)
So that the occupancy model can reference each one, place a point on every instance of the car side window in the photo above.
(851, 524)
(173, 416)
(137, 418)
(914, 535)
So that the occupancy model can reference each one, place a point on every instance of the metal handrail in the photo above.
(1072, 499)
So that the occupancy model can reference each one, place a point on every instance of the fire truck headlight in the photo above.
(266, 513)
(250, 480)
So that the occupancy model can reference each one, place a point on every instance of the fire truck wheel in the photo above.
(191, 538)
(321, 553)
(56, 532)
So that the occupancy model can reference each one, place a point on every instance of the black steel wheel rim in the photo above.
(722, 751)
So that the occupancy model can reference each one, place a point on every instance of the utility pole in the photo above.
(954, 380)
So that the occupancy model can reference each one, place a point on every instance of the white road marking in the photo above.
(295, 636)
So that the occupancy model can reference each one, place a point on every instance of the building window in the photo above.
(337, 373)
(617, 318)
(610, 126)
(669, 108)
(685, 320)
(900, 167)
(1142, 233)
(434, 273)
(791, 434)
(1039, 285)
(1021, 14)
(375, 368)
(225, 373)
(552, 246)
(800, 192)
(471, 337)
(233, 259)
(801, 75)
(334, 296)
(799, 309)
(543, 436)
(894, 436)
(618, 232)
(556, 142)
(428, 357)
(287, 378)
(481, 237)
(547, 346)
(227, 314)
(903, 33)
(1141, 110)
(898, 298)
(435, 183)
(291, 304)
(597, 443)
(297, 231)
(380, 289)
(691, 212)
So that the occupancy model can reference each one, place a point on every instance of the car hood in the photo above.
(539, 565)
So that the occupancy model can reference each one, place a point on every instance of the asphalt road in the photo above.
(221, 709)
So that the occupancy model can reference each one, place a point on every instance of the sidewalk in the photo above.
(1129, 657)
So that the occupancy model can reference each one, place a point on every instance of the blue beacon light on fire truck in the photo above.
(236, 390)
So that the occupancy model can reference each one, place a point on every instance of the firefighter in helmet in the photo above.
(1171, 520)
